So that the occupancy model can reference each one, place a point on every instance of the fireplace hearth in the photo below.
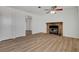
(55, 28)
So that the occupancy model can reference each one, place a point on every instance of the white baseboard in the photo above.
(77, 37)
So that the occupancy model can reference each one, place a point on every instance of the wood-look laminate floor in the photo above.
(40, 43)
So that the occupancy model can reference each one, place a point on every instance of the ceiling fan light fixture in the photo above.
(53, 12)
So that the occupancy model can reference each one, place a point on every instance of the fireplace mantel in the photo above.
(55, 28)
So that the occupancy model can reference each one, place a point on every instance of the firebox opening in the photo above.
(53, 29)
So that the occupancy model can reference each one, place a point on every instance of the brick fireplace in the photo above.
(55, 28)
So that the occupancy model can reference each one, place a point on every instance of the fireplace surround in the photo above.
(55, 28)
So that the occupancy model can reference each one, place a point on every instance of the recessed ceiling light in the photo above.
(39, 6)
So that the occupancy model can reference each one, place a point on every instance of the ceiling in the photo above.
(35, 9)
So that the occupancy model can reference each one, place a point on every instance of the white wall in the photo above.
(69, 19)
(5, 24)
(78, 20)
(36, 24)
(12, 23)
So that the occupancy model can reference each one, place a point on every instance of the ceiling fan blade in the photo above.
(53, 7)
(47, 12)
(58, 9)
(46, 9)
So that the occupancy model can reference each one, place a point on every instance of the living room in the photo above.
(19, 21)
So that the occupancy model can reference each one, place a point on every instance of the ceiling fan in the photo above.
(53, 10)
